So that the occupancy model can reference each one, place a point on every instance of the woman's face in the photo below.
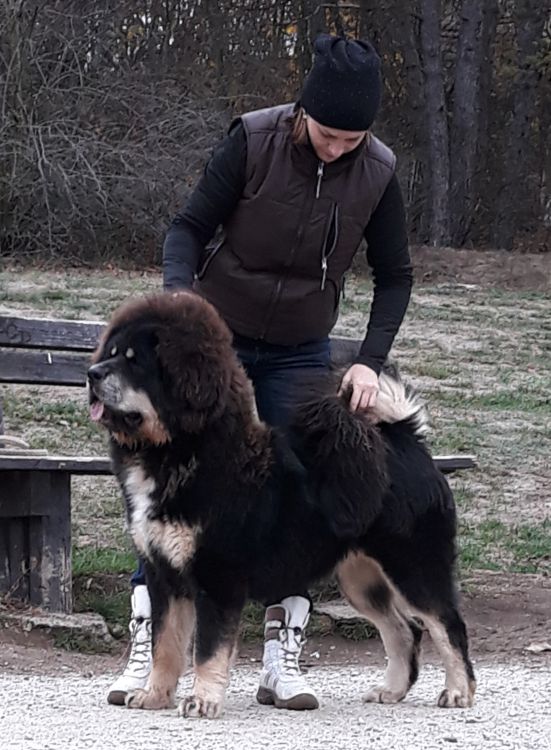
(330, 143)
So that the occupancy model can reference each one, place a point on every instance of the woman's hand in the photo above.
(363, 382)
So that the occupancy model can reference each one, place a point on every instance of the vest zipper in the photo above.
(321, 167)
(211, 253)
(306, 210)
(327, 252)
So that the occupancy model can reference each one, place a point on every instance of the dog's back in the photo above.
(362, 465)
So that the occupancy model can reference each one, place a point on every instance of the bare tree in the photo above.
(518, 185)
(437, 124)
(109, 110)
(484, 174)
(407, 113)
(465, 119)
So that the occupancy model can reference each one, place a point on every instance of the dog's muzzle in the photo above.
(96, 382)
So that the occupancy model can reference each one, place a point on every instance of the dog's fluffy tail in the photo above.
(344, 452)
(344, 455)
(398, 402)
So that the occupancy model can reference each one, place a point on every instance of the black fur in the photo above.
(271, 513)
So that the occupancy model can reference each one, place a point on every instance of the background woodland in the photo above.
(109, 110)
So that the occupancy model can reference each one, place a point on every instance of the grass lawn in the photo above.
(479, 355)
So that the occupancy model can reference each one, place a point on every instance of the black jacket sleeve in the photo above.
(210, 204)
(388, 256)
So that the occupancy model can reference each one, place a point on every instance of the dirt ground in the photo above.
(492, 268)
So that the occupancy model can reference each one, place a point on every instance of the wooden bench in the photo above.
(35, 490)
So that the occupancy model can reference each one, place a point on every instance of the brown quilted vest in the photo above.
(277, 272)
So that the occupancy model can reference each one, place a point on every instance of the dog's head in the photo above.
(163, 367)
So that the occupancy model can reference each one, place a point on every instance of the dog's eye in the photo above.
(129, 353)
(113, 351)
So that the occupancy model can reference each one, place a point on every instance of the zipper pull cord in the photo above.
(326, 254)
(320, 176)
(323, 272)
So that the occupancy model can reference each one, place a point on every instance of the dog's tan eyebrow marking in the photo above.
(113, 351)
(129, 353)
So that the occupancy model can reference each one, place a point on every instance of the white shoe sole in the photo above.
(300, 702)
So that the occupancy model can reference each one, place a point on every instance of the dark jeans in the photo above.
(277, 373)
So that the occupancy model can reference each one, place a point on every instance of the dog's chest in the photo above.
(176, 541)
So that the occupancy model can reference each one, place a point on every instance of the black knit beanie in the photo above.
(343, 88)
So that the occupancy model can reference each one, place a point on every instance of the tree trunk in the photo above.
(412, 113)
(484, 179)
(335, 23)
(218, 45)
(365, 19)
(518, 185)
(464, 132)
(436, 122)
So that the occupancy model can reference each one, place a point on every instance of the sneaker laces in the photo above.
(292, 640)
(140, 652)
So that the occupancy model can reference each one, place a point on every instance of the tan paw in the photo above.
(195, 707)
(381, 694)
(153, 700)
(455, 698)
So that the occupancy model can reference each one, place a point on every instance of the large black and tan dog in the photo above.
(224, 508)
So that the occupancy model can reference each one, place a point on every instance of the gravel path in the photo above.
(69, 712)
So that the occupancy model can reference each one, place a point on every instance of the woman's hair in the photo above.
(299, 133)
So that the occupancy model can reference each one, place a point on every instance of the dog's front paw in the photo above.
(148, 699)
(381, 694)
(195, 707)
(456, 698)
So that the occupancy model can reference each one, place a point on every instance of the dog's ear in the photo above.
(196, 366)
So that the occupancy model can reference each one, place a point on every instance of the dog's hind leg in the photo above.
(370, 591)
(449, 634)
(432, 597)
(173, 625)
(215, 646)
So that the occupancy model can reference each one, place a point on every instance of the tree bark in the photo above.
(436, 122)
(483, 179)
(465, 122)
(518, 185)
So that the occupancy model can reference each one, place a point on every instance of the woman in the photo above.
(293, 190)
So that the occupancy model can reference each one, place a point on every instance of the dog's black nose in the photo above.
(97, 372)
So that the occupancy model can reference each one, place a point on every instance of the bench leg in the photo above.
(35, 541)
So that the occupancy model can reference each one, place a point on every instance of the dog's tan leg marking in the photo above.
(369, 590)
(209, 688)
(459, 690)
(175, 541)
(169, 657)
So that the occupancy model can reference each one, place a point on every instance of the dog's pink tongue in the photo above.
(96, 410)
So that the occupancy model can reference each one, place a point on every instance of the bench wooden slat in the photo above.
(344, 350)
(71, 464)
(46, 368)
(102, 464)
(447, 464)
(36, 333)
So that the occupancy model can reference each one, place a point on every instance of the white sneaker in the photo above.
(137, 670)
(281, 682)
